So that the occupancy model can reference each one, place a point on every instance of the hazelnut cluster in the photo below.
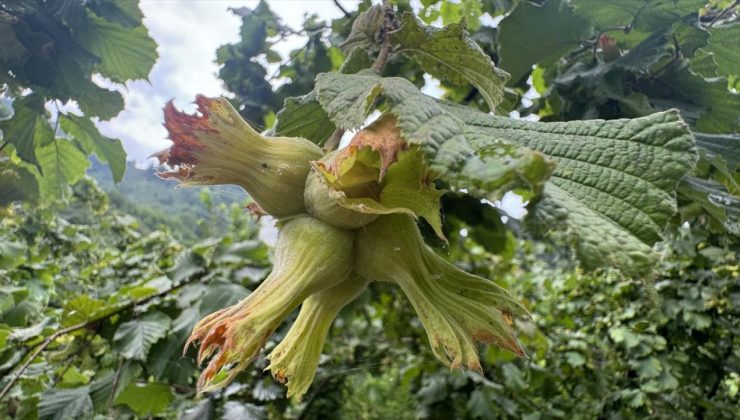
(345, 218)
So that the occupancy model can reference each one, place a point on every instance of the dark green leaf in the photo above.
(12, 254)
(134, 338)
(246, 411)
(450, 54)
(16, 184)
(357, 60)
(304, 117)
(725, 146)
(125, 53)
(80, 309)
(98, 102)
(28, 129)
(534, 34)
(645, 15)
(722, 44)
(146, 399)
(66, 404)
(124, 12)
(63, 164)
(12, 51)
(107, 149)
(707, 103)
(481, 405)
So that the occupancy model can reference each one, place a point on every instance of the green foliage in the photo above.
(48, 55)
(450, 54)
(726, 57)
(127, 297)
(146, 399)
(255, 98)
(538, 34)
(601, 344)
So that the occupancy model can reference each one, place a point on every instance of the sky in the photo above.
(188, 33)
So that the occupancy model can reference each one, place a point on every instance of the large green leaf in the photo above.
(16, 183)
(534, 34)
(81, 309)
(28, 129)
(724, 146)
(706, 103)
(125, 53)
(125, 12)
(96, 101)
(65, 404)
(723, 45)
(461, 155)
(87, 135)
(146, 399)
(644, 15)
(11, 50)
(134, 338)
(450, 54)
(613, 188)
(62, 164)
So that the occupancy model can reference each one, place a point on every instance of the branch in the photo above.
(50, 339)
(724, 12)
(339, 5)
(389, 24)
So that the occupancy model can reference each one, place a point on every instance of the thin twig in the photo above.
(385, 47)
(339, 5)
(50, 339)
(115, 383)
(724, 12)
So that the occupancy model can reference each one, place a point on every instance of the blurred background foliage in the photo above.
(115, 282)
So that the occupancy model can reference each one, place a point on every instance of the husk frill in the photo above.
(457, 309)
(219, 147)
(296, 358)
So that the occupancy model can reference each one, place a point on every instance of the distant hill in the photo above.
(190, 213)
